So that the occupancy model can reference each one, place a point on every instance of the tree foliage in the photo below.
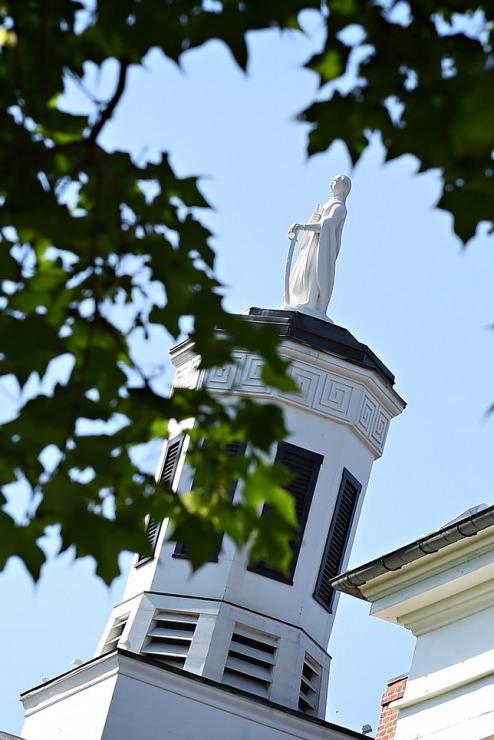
(98, 249)
(95, 250)
(422, 74)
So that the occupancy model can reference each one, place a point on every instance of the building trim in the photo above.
(450, 609)
(353, 580)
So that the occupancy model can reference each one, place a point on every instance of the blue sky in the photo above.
(404, 286)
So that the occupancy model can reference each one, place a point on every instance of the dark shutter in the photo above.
(232, 450)
(339, 531)
(171, 461)
(304, 465)
(166, 476)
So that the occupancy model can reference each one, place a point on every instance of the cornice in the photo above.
(439, 589)
(99, 669)
(328, 385)
(443, 561)
(450, 609)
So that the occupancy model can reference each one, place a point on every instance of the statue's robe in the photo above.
(312, 276)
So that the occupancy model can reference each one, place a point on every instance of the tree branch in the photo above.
(107, 113)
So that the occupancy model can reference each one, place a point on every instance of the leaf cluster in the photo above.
(96, 251)
(422, 74)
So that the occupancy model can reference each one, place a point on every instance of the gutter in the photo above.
(466, 526)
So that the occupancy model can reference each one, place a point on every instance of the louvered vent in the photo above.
(170, 637)
(115, 634)
(310, 686)
(250, 661)
(334, 552)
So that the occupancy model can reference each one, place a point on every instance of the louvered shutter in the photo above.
(232, 450)
(339, 531)
(166, 477)
(171, 461)
(304, 465)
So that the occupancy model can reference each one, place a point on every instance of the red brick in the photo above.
(389, 717)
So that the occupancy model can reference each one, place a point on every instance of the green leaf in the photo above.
(28, 345)
(20, 541)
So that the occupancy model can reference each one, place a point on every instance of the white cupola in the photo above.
(250, 627)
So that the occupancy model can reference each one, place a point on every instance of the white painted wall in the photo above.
(450, 691)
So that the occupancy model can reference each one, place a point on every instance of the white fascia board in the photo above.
(465, 567)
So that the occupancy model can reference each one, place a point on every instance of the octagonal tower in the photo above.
(249, 627)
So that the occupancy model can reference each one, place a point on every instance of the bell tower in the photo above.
(250, 627)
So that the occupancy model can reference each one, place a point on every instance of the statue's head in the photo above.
(340, 186)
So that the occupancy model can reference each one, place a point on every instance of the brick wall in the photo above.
(389, 716)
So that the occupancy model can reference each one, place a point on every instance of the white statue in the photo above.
(309, 284)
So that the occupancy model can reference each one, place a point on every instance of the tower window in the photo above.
(339, 531)
(233, 449)
(304, 466)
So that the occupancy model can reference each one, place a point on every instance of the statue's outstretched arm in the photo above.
(316, 228)
(311, 227)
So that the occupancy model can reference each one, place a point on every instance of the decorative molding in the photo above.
(248, 378)
(322, 391)
(333, 397)
(436, 614)
(221, 378)
(380, 428)
(307, 381)
(438, 569)
(327, 386)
